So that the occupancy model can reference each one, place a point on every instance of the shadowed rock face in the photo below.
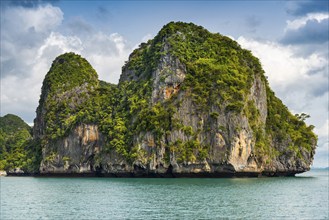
(176, 112)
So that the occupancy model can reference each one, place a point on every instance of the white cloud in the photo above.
(107, 54)
(41, 19)
(300, 22)
(31, 40)
(56, 43)
(281, 64)
(23, 31)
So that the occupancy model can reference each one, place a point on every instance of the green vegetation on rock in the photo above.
(17, 149)
(282, 126)
(219, 72)
(182, 96)
(66, 96)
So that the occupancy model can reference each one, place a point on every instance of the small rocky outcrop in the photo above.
(189, 103)
(3, 173)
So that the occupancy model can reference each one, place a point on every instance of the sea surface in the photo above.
(302, 197)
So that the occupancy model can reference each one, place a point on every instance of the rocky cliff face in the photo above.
(74, 153)
(68, 144)
(189, 103)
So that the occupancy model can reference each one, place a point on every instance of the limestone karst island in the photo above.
(189, 103)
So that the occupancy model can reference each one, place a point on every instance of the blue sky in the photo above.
(133, 19)
(289, 37)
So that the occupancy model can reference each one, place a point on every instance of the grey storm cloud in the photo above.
(313, 32)
(300, 8)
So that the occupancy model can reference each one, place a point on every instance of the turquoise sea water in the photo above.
(301, 197)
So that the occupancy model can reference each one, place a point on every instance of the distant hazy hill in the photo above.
(17, 150)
